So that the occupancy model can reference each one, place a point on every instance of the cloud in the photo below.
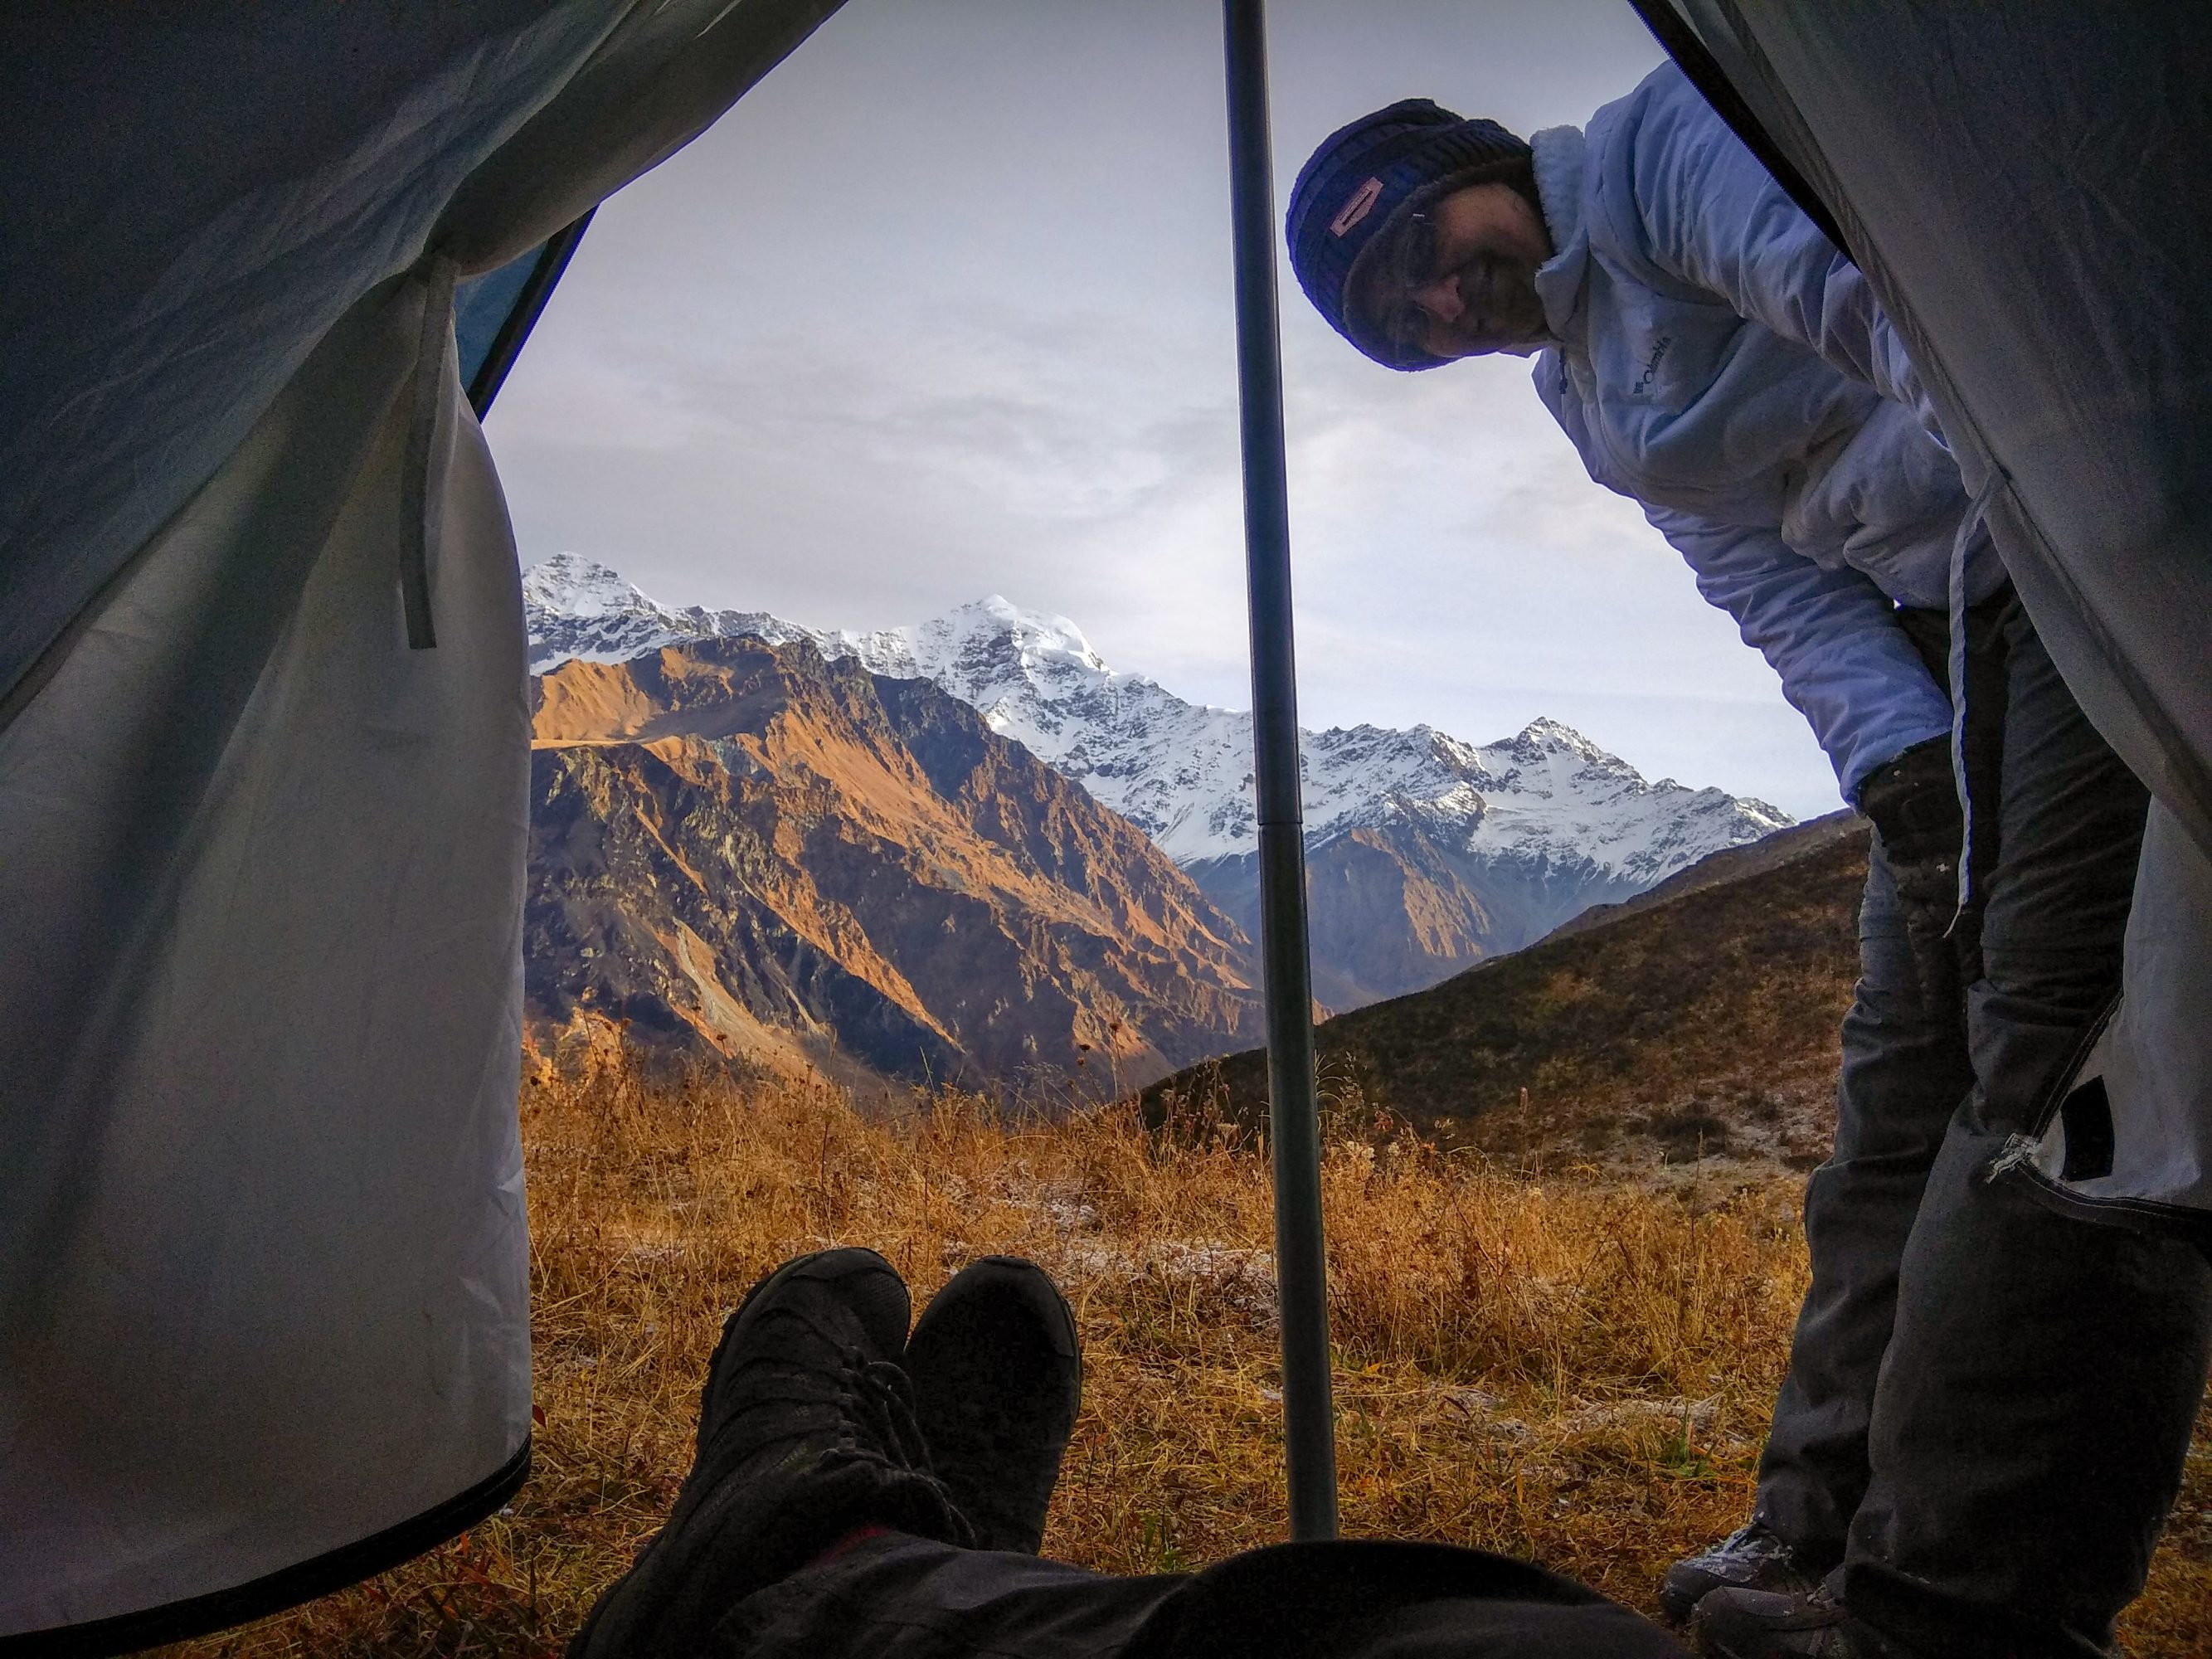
(942, 308)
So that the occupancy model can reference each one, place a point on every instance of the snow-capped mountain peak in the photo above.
(570, 584)
(577, 608)
(996, 631)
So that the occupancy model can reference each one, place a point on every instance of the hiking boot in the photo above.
(998, 1376)
(1750, 1624)
(806, 1434)
(1752, 1556)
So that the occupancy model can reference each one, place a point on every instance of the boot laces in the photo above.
(881, 1401)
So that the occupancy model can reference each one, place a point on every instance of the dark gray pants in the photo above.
(1988, 1404)
(897, 1596)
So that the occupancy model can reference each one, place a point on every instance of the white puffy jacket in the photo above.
(1721, 364)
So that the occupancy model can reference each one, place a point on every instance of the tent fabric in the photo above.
(263, 1312)
(2121, 1132)
(2023, 186)
(265, 1290)
(175, 269)
(482, 309)
(494, 314)
(164, 276)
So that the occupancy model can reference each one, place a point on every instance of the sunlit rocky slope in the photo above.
(1425, 853)
(742, 848)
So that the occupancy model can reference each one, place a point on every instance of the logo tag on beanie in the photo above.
(1361, 202)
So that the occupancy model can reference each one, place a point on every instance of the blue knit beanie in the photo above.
(1361, 175)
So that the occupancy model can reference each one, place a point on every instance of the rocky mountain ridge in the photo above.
(740, 848)
(1426, 853)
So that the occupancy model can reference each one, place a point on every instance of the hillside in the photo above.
(1697, 1023)
(742, 849)
(1730, 864)
(1426, 854)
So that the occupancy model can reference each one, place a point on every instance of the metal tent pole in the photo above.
(1301, 1266)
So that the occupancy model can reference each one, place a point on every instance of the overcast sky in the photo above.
(942, 309)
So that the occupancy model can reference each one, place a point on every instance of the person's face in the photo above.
(1457, 279)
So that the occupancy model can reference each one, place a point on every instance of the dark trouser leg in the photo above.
(1904, 1071)
(2036, 1400)
(899, 1597)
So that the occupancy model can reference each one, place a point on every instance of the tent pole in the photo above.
(1300, 1263)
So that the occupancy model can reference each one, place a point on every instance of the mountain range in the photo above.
(1425, 853)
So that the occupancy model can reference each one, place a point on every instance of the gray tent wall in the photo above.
(2025, 187)
(263, 1294)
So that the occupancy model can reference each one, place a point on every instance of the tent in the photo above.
(264, 1321)
(2024, 188)
(263, 1301)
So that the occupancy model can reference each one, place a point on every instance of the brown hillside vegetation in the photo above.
(1574, 1372)
(749, 852)
(1698, 1021)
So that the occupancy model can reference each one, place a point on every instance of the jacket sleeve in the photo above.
(1832, 635)
(1713, 217)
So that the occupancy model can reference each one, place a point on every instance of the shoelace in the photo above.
(874, 1396)
(883, 1397)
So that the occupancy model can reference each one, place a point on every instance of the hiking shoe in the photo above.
(998, 1376)
(1752, 1556)
(806, 1434)
(1750, 1624)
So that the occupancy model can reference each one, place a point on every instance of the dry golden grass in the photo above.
(1574, 1372)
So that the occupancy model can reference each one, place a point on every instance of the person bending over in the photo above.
(862, 1494)
(1988, 1404)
